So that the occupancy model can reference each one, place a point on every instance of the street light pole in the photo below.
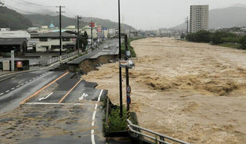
(120, 69)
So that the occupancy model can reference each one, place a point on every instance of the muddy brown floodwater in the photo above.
(192, 91)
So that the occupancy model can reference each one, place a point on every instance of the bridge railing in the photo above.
(153, 136)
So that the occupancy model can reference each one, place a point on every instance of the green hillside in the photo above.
(106, 23)
(12, 19)
(39, 20)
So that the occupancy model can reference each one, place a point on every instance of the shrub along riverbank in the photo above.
(218, 38)
(133, 54)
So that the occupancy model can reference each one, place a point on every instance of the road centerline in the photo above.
(70, 91)
(24, 101)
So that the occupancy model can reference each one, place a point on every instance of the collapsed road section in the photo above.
(55, 106)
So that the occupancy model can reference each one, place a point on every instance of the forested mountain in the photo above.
(12, 19)
(106, 23)
(39, 20)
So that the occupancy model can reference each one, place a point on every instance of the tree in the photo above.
(243, 42)
(203, 36)
(84, 41)
(217, 37)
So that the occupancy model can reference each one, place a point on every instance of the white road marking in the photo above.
(26, 82)
(34, 78)
(93, 118)
(18, 86)
(43, 98)
(22, 84)
(41, 103)
(30, 80)
(83, 96)
(7, 91)
(12, 88)
(1, 94)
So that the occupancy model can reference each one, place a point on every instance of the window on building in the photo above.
(43, 39)
(66, 39)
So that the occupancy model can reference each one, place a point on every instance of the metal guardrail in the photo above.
(159, 138)
(57, 59)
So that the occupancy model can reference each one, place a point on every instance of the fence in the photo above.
(155, 137)
(62, 57)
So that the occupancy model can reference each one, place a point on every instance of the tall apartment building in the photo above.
(199, 18)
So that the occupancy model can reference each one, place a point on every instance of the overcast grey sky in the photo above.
(141, 14)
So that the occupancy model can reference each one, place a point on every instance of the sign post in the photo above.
(92, 25)
(128, 87)
(12, 60)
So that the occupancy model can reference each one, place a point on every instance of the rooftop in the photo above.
(12, 41)
(54, 35)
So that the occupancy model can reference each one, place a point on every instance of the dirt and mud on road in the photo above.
(194, 92)
(48, 124)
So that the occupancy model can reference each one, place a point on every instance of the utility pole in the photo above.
(127, 78)
(187, 22)
(120, 69)
(78, 18)
(60, 25)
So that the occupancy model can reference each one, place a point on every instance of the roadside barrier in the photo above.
(155, 137)
(57, 59)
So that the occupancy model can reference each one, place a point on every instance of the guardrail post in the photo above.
(162, 138)
(107, 111)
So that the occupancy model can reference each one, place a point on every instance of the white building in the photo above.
(199, 18)
(48, 42)
(15, 34)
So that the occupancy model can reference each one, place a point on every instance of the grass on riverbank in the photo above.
(237, 46)
(133, 53)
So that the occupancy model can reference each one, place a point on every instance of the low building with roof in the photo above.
(50, 42)
(19, 45)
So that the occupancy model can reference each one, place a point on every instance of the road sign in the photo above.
(92, 24)
(129, 101)
(74, 39)
(19, 64)
(99, 29)
(129, 89)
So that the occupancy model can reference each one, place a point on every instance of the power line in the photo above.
(30, 12)
(33, 4)
(69, 11)
(25, 4)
